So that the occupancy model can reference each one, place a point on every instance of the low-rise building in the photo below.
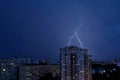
(9, 68)
(37, 71)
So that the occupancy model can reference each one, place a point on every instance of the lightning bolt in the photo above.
(70, 39)
(75, 34)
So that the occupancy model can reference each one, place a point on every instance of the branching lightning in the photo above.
(75, 34)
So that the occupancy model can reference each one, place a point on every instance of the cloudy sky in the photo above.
(38, 28)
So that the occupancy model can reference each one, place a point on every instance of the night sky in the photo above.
(38, 28)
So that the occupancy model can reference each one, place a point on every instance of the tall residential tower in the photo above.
(75, 64)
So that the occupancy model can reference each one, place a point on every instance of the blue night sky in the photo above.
(38, 28)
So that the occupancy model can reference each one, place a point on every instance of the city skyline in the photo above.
(37, 29)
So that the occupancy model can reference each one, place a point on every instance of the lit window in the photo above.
(76, 74)
(73, 77)
(4, 70)
(11, 63)
(114, 69)
(93, 71)
(104, 71)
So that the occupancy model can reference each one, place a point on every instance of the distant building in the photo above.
(37, 71)
(9, 67)
(103, 71)
(75, 64)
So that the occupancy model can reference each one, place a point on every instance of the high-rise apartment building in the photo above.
(75, 64)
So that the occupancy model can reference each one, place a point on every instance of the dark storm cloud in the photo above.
(38, 28)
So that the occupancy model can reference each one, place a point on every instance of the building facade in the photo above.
(75, 64)
(37, 71)
(9, 68)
